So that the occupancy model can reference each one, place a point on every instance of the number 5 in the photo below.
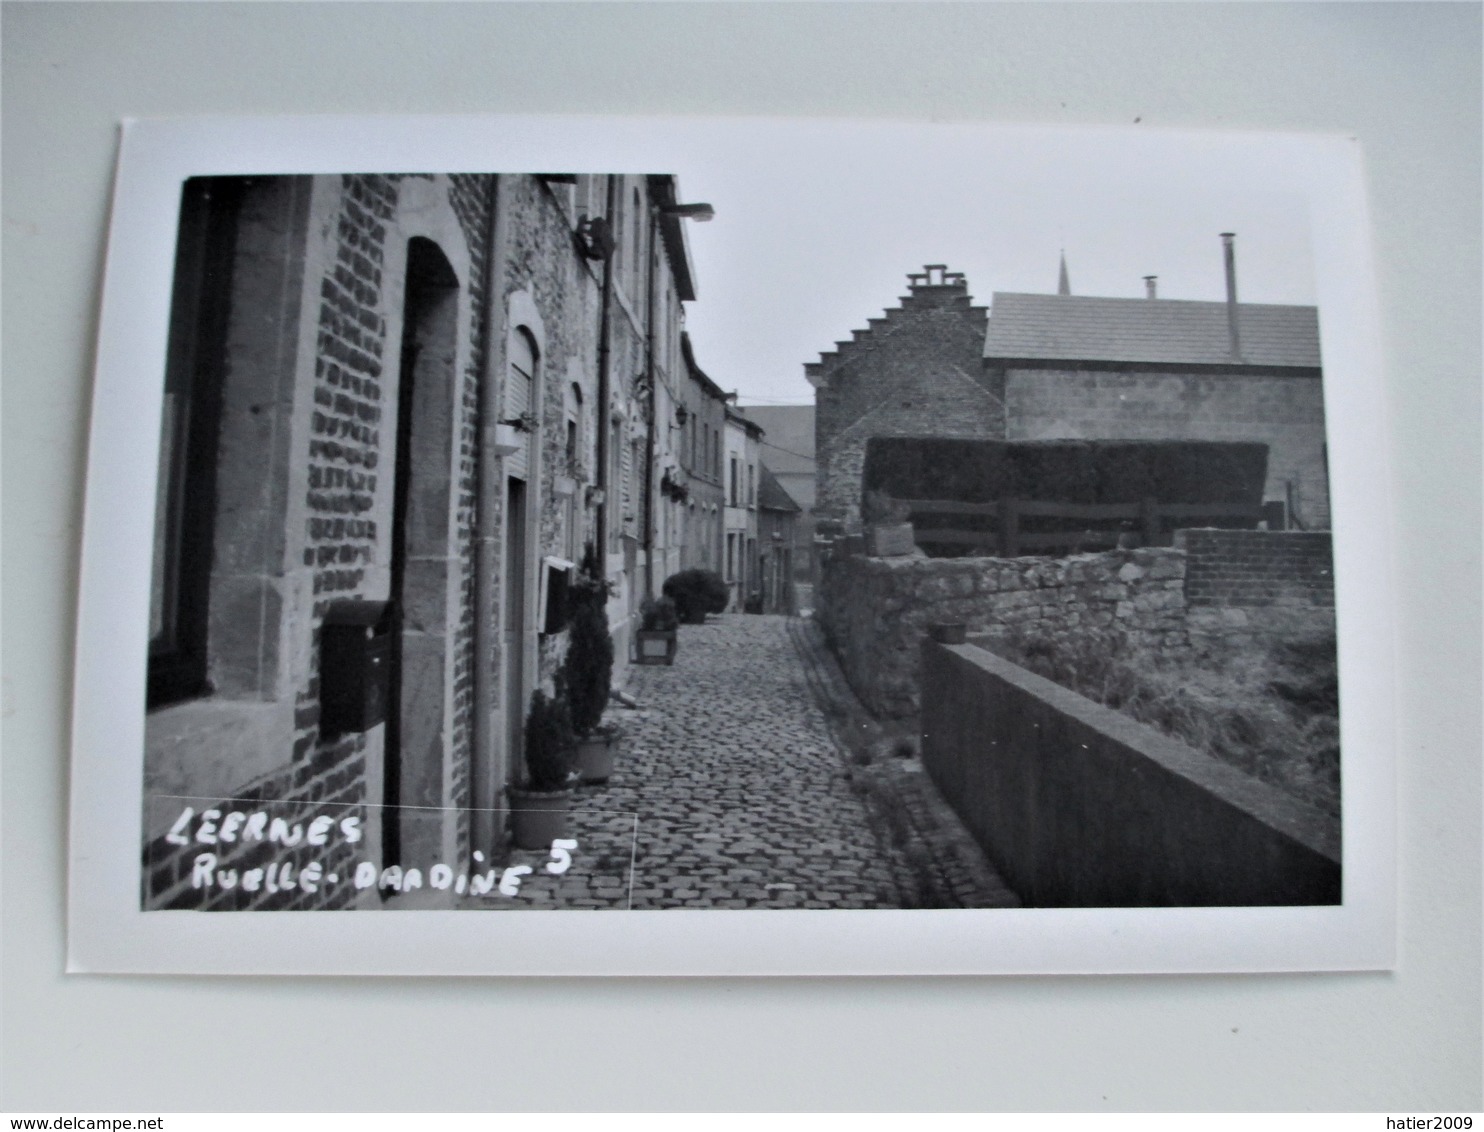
(561, 858)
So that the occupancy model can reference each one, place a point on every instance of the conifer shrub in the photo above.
(551, 746)
(587, 670)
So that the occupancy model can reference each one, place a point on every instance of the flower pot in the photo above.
(595, 755)
(656, 646)
(537, 818)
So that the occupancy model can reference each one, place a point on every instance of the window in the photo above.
(575, 462)
(751, 486)
(185, 500)
(615, 480)
(732, 487)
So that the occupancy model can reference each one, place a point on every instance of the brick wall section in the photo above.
(917, 371)
(876, 611)
(350, 393)
(1285, 413)
(331, 783)
(1258, 568)
(469, 196)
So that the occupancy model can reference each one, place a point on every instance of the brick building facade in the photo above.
(396, 408)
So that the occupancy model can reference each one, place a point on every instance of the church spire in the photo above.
(1063, 284)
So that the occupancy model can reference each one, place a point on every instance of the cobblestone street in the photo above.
(729, 791)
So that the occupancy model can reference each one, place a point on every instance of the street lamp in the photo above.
(698, 211)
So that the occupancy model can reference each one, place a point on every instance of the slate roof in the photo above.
(771, 495)
(1084, 328)
(788, 440)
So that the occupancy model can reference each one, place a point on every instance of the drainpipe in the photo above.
(486, 776)
(605, 410)
(654, 403)
(1231, 292)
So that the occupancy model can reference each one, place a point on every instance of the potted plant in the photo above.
(587, 671)
(657, 636)
(540, 812)
(696, 593)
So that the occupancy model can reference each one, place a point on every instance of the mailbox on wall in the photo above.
(355, 661)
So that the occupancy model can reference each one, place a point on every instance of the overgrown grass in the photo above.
(1269, 708)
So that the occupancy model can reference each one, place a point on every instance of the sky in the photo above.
(805, 248)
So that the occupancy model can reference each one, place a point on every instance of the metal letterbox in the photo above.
(354, 665)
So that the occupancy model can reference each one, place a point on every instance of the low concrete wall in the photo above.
(876, 611)
(1079, 806)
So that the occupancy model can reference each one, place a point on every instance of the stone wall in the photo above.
(876, 611)
(1285, 413)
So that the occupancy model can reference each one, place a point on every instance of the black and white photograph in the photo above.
(924, 536)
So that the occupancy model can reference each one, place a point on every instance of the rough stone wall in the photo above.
(877, 611)
(1285, 413)
(917, 371)
(541, 260)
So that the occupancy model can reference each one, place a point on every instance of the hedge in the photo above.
(1066, 471)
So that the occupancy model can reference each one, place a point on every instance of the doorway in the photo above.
(421, 561)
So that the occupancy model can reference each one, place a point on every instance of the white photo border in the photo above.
(108, 931)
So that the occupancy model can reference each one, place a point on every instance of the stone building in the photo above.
(397, 409)
(701, 418)
(1076, 367)
(740, 447)
(777, 514)
(787, 451)
(916, 371)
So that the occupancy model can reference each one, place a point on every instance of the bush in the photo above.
(587, 671)
(658, 615)
(696, 593)
(551, 747)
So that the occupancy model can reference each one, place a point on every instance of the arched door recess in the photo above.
(422, 562)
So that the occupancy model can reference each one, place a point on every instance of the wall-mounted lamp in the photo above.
(698, 211)
(594, 237)
(526, 422)
(682, 414)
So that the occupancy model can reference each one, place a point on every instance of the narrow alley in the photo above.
(733, 789)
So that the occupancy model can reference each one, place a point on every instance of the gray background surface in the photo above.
(1404, 78)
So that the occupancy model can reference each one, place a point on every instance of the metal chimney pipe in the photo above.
(1231, 292)
(1150, 291)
